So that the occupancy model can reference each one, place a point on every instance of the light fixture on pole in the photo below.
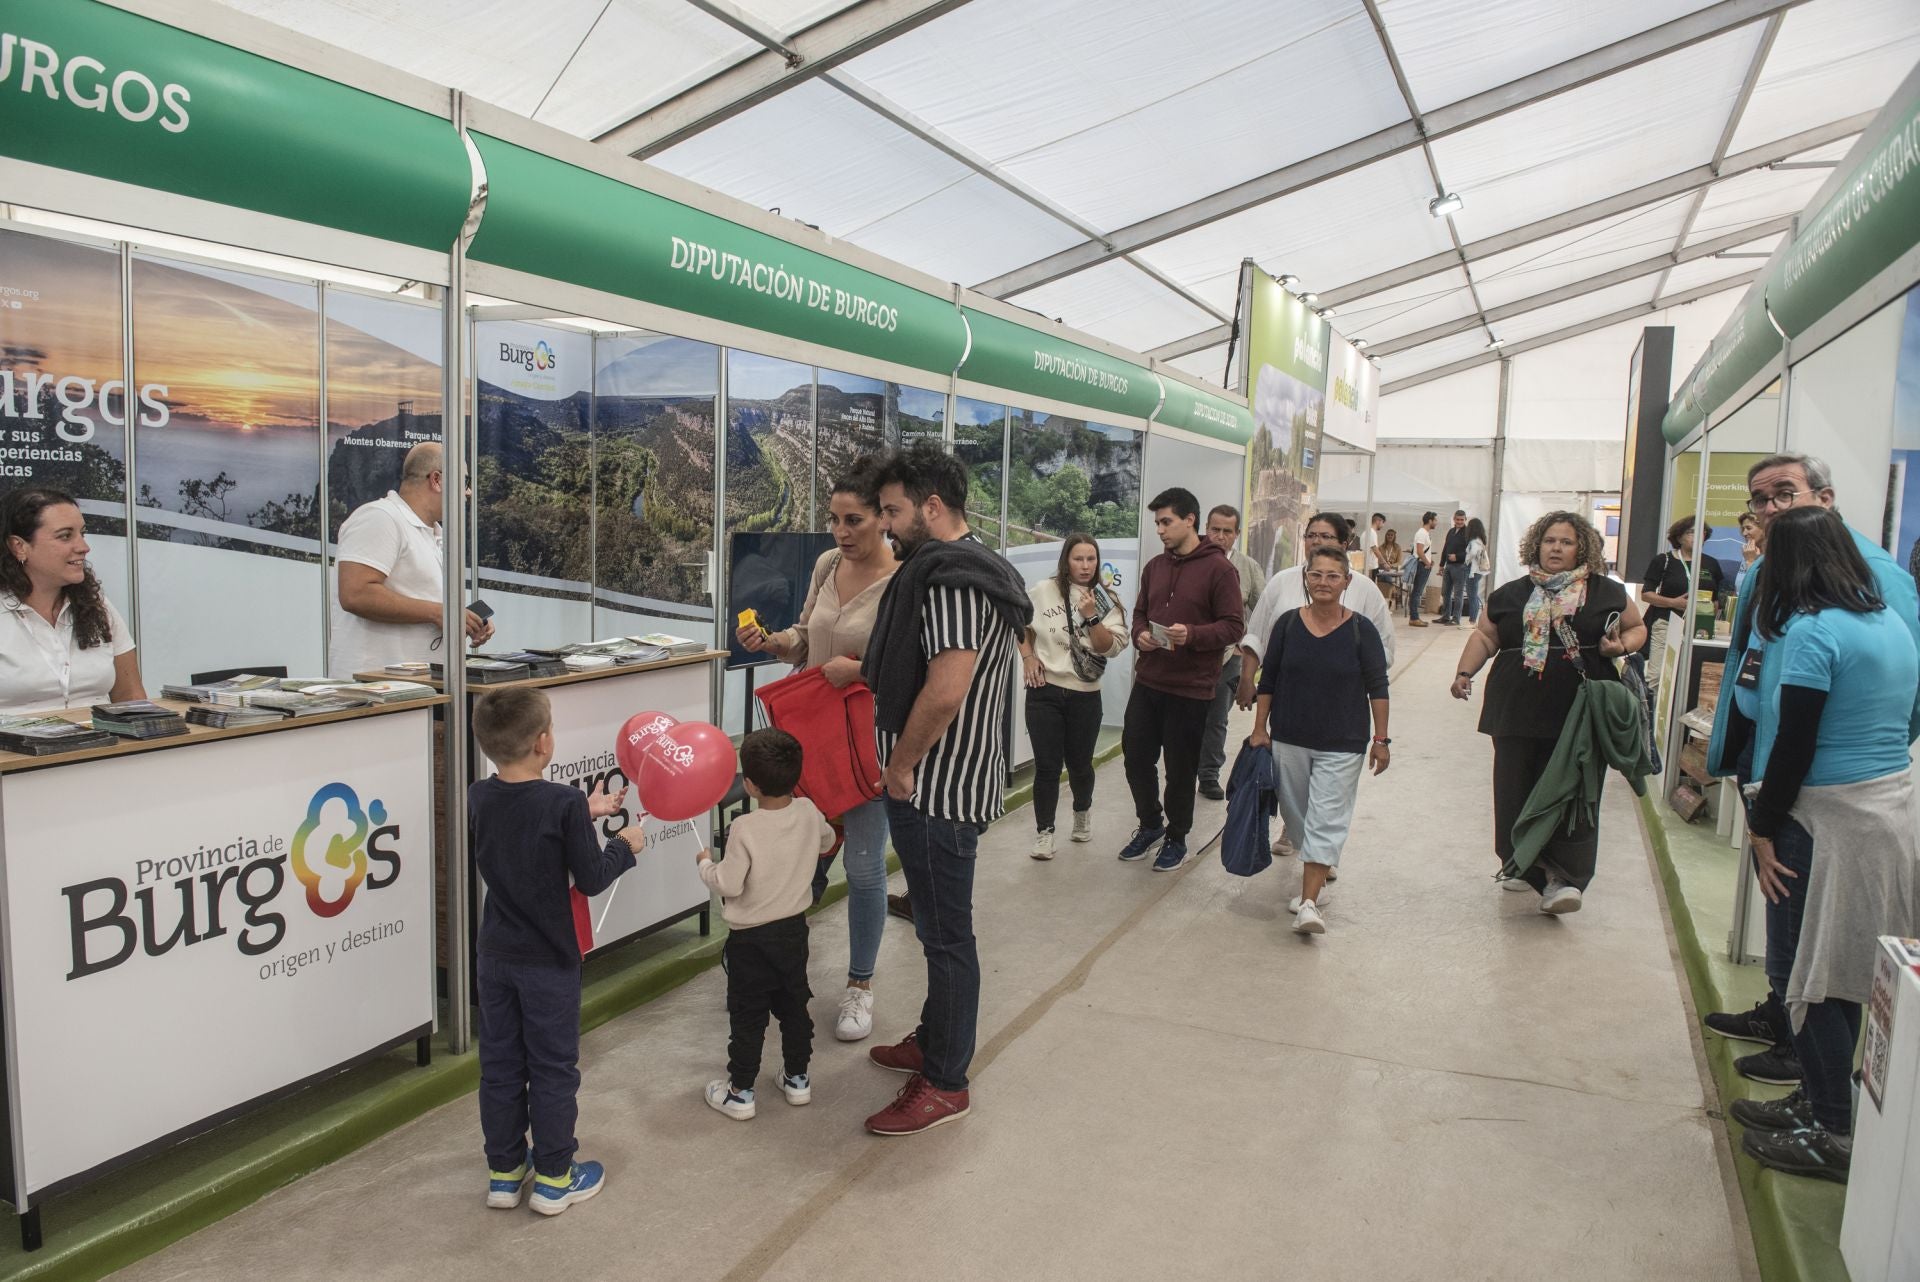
(1310, 298)
(1288, 280)
(1360, 344)
(1447, 202)
(1496, 342)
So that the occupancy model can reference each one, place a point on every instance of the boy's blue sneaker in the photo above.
(506, 1188)
(723, 1098)
(798, 1089)
(1172, 855)
(554, 1194)
(1143, 840)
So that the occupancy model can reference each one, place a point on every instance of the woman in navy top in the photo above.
(1324, 675)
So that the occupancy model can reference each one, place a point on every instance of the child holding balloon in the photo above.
(766, 887)
(533, 841)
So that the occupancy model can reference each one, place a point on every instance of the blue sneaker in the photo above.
(506, 1188)
(554, 1194)
(1141, 844)
(1172, 855)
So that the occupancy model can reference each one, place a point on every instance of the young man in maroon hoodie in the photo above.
(1187, 613)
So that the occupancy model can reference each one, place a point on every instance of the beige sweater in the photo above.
(830, 628)
(771, 857)
(1050, 645)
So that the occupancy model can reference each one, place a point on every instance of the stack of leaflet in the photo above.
(672, 646)
(539, 662)
(359, 693)
(44, 736)
(412, 669)
(138, 719)
(296, 703)
(489, 672)
(211, 692)
(224, 716)
(587, 661)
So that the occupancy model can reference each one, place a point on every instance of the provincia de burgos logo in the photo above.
(239, 891)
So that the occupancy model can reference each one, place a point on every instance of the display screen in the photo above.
(768, 573)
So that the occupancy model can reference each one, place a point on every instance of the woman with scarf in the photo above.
(1561, 623)
(1077, 626)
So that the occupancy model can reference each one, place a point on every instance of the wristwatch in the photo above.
(1383, 742)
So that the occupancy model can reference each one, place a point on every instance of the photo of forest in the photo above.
(653, 465)
(1069, 475)
(383, 394)
(1287, 419)
(979, 441)
(769, 444)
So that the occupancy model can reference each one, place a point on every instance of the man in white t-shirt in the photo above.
(1370, 546)
(387, 601)
(1422, 567)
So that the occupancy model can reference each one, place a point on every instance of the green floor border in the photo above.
(137, 1211)
(1795, 1222)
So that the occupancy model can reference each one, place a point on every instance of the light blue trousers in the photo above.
(1317, 793)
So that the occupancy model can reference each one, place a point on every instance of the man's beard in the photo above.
(906, 541)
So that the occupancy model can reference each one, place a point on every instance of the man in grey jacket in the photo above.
(1223, 527)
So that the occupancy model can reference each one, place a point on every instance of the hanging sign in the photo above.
(1193, 410)
(1287, 377)
(1015, 358)
(1353, 395)
(92, 88)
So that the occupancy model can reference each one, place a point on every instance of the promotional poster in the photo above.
(1287, 384)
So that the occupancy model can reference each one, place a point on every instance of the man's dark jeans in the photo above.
(1158, 721)
(937, 857)
(529, 1063)
(1421, 573)
(1213, 749)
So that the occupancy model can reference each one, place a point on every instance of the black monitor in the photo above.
(768, 573)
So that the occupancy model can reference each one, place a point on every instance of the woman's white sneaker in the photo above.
(1043, 844)
(1308, 921)
(856, 1014)
(1293, 905)
(1083, 825)
(1560, 899)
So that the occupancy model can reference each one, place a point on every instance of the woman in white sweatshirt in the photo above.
(1077, 627)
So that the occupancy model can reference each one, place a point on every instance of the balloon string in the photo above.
(639, 815)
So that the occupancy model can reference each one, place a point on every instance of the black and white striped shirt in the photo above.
(963, 776)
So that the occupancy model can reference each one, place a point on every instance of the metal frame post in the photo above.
(1502, 418)
(129, 417)
(455, 437)
(326, 437)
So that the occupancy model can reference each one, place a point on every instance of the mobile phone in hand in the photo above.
(480, 609)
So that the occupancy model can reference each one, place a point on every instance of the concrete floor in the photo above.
(1169, 1084)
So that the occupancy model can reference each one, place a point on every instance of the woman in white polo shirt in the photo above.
(62, 644)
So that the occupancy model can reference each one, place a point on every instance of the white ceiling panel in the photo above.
(789, 16)
(1311, 233)
(1654, 120)
(1746, 199)
(1418, 360)
(814, 153)
(968, 232)
(1203, 94)
(1453, 49)
(1833, 58)
(1414, 306)
(1210, 364)
(1579, 254)
(1120, 303)
(1545, 320)
(1704, 271)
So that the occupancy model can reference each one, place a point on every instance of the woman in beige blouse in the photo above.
(832, 635)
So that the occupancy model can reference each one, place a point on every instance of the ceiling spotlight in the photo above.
(1289, 280)
(1445, 203)
(1360, 343)
(1496, 342)
(1309, 298)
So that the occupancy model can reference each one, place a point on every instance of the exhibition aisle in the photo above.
(1169, 1081)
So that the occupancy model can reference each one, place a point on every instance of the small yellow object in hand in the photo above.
(749, 618)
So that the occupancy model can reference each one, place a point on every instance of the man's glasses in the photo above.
(1757, 503)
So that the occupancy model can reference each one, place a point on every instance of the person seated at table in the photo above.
(62, 643)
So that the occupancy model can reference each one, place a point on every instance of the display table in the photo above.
(1880, 1235)
(589, 708)
(197, 925)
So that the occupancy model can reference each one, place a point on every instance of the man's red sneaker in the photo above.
(902, 1057)
(920, 1106)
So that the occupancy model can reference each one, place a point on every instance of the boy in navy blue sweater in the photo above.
(532, 841)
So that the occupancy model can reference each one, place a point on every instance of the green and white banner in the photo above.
(1016, 358)
(1203, 413)
(1353, 395)
(1287, 385)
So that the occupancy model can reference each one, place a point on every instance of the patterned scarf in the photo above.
(1556, 598)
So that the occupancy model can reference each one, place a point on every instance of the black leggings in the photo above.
(1064, 726)
(1518, 764)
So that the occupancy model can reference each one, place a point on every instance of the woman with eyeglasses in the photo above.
(1322, 679)
(1836, 678)
(1561, 623)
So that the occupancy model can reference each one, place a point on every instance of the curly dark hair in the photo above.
(21, 514)
(1593, 548)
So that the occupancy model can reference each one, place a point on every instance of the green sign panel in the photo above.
(1018, 359)
(1867, 224)
(98, 90)
(1287, 382)
(548, 218)
(1203, 413)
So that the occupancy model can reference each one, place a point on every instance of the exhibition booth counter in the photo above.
(589, 708)
(199, 924)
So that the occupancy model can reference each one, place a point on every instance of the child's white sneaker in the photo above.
(723, 1098)
(798, 1089)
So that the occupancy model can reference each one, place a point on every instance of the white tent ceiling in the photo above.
(1111, 163)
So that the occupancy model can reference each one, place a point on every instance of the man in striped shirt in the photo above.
(941, 665)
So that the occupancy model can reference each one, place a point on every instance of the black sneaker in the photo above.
(1756, 1025)
(1141, 843)
(1810, 1150)
(1212, 791)
(1788, 1113)
(1777, 1066)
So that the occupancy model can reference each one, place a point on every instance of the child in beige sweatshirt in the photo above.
(766, 886)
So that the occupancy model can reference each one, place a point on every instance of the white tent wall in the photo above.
(1841, 409)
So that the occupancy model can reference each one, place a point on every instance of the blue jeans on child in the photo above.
(529, 1062)
(937, 856)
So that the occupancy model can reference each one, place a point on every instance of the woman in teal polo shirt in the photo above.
(1833, 683)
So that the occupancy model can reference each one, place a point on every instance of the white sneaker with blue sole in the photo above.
(550, 1197)
(506, 1188)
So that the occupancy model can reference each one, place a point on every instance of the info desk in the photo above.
(192, 926)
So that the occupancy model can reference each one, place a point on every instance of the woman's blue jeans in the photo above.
(865, 849)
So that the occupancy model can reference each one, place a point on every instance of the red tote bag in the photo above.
(841, 768)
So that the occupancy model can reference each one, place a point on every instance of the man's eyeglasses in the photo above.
(1757, 503)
